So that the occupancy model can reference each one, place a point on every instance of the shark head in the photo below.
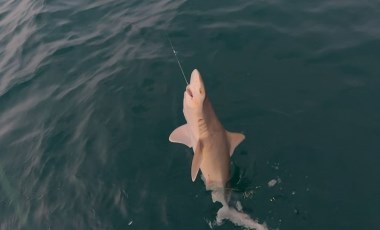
(195, 92)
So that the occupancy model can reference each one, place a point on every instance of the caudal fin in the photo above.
(238, 218)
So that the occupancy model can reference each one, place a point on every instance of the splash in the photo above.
(235, 215)
(239, 218)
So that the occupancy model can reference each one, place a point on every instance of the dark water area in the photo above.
(90, 91)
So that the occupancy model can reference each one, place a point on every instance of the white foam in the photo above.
(272, 183)
(238, 218)
(238, 206)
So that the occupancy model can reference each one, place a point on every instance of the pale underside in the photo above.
(212, 145)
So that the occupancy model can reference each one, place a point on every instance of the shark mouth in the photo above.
(189, 92)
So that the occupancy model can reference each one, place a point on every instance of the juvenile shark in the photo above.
(213, 146)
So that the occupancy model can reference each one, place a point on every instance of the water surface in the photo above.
(90, 91)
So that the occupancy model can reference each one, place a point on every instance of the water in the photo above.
(90, 91)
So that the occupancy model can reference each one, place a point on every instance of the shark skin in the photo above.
(212, 144)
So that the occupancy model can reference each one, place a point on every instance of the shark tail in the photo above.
(238, 218)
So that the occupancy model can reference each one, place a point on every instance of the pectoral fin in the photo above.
(181, 135)
(234, 139)
(197, 160)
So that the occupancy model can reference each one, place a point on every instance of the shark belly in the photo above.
(215, 165)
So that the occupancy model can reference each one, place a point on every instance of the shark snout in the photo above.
(195, 77)
(196, 87)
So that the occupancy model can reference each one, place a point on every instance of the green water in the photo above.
(90, 91)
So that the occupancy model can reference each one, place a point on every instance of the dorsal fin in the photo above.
(181, 135)
(234, 140)
(197, 160)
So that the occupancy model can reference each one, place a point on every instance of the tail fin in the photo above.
(238, 218)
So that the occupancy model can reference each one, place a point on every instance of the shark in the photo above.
(213, 147)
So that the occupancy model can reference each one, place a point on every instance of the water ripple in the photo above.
(89, 91)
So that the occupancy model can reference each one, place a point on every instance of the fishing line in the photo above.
(179, 63)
